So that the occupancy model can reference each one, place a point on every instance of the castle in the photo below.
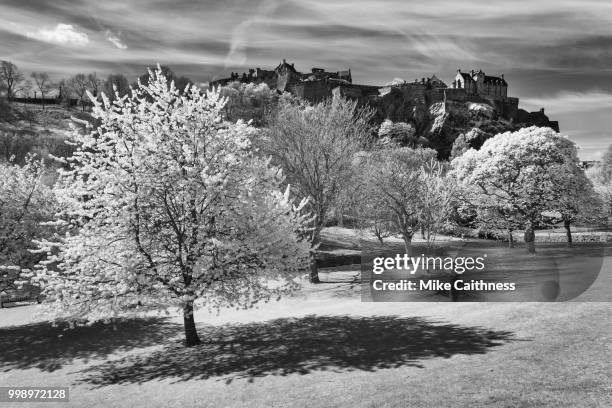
(477, 83)
(319, 84)
(313, 86)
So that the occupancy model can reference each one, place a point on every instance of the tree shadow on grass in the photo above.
(49, 348)
(299, 345)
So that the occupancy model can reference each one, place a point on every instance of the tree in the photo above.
(116, 86)
(24, 88)
(398, 193)
(25, 204)
(43, 84)
(460, 146)
(64, 92)
(514, 177)
(577, 200)
(179, 82)
(249, 101)
(315, 147)
(94, 84)
(10, 77)
(79, 84)
(437, 199)
(606, 165)
(400, 133)
(602, 183)
(168, 206)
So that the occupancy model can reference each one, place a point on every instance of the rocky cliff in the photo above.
(441, 120)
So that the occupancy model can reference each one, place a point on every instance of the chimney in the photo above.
(458, 70)
(542, 111)
(502, 75)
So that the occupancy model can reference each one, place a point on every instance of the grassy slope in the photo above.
(333, 351)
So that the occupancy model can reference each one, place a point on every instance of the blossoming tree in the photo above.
(516, 176)
(26, 203)
(167, 206)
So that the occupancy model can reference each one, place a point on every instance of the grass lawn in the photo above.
(325, 348)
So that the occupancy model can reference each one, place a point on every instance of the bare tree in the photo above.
(10, 77)
(116, 82)
(94, 83)
(79, 84)
(43, 84)
(24, 88)
(63, 87)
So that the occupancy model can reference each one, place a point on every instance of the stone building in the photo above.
(477, 83)
(315, 85)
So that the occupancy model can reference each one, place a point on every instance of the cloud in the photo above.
(115, 40)
(241, 33)
(566, 102)
(62, 34)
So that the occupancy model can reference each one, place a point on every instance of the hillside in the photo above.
(441, 121)
(26, 128)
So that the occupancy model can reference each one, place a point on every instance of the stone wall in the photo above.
(312, 91)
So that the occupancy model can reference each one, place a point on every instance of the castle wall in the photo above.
(312, 91)
(455, 94)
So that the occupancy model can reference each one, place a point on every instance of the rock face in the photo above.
(441, 118)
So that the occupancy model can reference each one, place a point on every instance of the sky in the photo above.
(554, 54)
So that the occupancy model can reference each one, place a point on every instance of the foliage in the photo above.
(167, 205)
(603, 187)
(180, 82)
(460, 146)
(606, 166)
(399, 133)
(25, 204)
(15, 146)
(515, 177)
(249, 101)
(116, 86)
(315, 147)
(404, 190)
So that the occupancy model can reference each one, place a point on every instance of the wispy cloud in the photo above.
(62, 34)
(566, 102)
(555, 54)
(115, 40)
(241, 33)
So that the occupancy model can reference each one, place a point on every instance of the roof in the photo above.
(495, 80)
(467, 77)
(434, 79)
(286, 65)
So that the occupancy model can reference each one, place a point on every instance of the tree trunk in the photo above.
(530, 239)
(568, 232)
(191, 333)
(423, 232)
(314, 269)
(510, 239)
(407, 243)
